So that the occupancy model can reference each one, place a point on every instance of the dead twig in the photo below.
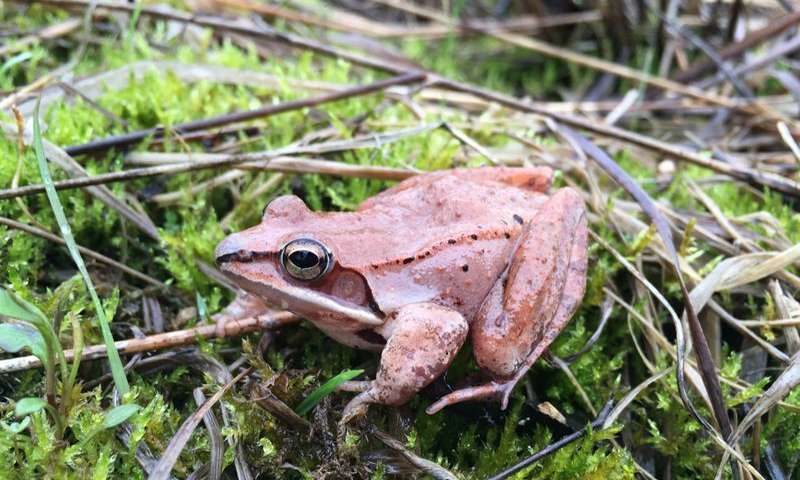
(431, 468)
(772, 28)
(50, 32)
(160, 341)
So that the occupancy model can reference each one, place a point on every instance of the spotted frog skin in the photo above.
(484, 252)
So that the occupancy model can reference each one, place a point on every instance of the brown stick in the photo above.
(773, 27)
(236, 117)
(47, 33)
(161, 341)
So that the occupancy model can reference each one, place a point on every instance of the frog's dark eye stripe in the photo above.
(306, 259)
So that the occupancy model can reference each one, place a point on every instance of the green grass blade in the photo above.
(117, 372)
(119, 414)
(328, 387)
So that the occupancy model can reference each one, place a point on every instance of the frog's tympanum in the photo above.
(484, 252)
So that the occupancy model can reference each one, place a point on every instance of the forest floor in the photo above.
(689, 177)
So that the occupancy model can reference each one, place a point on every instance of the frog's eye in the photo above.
(306, 259)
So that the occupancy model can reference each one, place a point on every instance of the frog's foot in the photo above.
(496, 390)
(245, 305)
(357, 407)
(423, 338)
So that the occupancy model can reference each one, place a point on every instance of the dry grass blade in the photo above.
(555, 446)
(737, 271)
(164, 466)
(785, 305)
(771, 29)
(704, 359)
(269, 402)
(622, 71)
(225, 25)
(780, 388)
(50, 32)
(630, 397)
(745, 174)
(194, 162)
(59, 157)
(85, 251)
(426, 466)
(216, 446)
(605, 315)
(93, 87)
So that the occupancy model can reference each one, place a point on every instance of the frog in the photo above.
(488, 254)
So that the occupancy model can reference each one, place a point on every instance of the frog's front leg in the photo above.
(532, 301)
(423, 339)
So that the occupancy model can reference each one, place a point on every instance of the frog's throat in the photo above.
(309, 300)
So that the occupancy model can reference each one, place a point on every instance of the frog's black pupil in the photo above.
(303, 259)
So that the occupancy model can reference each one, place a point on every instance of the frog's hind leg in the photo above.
(423, 338)
(532, 301)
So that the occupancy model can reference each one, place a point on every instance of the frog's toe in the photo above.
(498, 391)
(357, 407)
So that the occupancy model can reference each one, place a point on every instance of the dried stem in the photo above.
(160, 341)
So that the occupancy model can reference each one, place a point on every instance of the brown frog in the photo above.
(485, 252)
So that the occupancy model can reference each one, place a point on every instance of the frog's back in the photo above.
(448, 238)
(467, 198)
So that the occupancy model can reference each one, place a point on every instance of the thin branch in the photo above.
(161, 341)
(50, 32)
(774, 27)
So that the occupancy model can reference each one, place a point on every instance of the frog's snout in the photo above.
(229, 249)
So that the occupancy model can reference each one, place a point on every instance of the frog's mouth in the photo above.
(302, 301)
